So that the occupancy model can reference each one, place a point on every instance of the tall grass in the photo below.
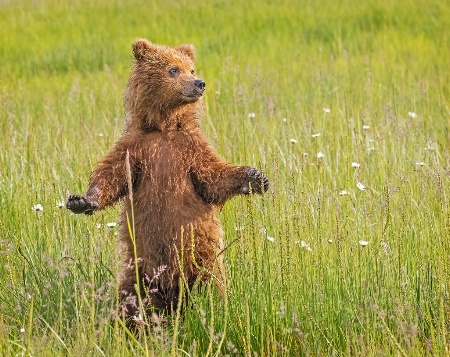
(371, 78)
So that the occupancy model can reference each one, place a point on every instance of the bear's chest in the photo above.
(166, 161)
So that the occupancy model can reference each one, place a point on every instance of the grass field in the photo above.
(348, 253)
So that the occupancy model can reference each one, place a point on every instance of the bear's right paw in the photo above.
(255, 182)
(80, 204)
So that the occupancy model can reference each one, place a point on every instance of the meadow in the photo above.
(344, 105)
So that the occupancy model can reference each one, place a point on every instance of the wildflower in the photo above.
(386, 247)
(111, 224)
(305, 245)
(355, 164)
(293, 141)
(138, 320)
(282, 311)
(270, 239)
(239, 228)
(343, 193)
(315, 135)
(251, 115)
(363, 243)
(99, 225)
(360, 186)
(370, 148)
(100, 134)
(420, 163)
(412, 115)
(330, 241)
(320, 155)
(37, 208)
(22, 330)
(305, 154)
(60, 204)
(284, 120)
(326, 110)
(366, 127)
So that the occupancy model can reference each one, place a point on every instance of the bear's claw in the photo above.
(255, 182)
(80, 204)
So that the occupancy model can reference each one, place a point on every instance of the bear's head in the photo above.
(163, 81)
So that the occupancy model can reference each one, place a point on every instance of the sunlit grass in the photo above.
(347, 254)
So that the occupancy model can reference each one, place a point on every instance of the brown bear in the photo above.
(171, 179)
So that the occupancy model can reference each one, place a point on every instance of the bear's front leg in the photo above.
(216, 181)
(225, 181)
(109, 181)
(81, 204)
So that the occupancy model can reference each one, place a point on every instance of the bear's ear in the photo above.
(142, 47)
(188, 50)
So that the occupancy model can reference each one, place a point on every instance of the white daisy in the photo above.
(270, 239)
(251, 115)
(363, 243)
(293, 141)
(315, 135)
(343, 193)
(420, 163)
(366, 127)
(360, 186)
(326, 110)
(320, 155)
(355, 164)
(111, 224)
(37, 208)
(412, 115)
(60, 204)
(305, 245)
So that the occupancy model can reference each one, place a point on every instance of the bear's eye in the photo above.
(174, 71)
(192, 71)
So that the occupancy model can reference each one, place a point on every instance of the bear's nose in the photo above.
(200, 84)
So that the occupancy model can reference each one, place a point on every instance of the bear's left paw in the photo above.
(255, 182)
(81, 204)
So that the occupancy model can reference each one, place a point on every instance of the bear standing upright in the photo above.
(178, 182)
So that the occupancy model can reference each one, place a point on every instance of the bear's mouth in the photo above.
(193, 96)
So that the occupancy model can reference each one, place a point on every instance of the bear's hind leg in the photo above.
(135, 309)
(129, 299)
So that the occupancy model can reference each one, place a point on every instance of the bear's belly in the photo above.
(168, 225)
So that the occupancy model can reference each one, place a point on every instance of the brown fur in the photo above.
(179, 183)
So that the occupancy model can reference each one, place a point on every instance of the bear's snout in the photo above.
(200, 84)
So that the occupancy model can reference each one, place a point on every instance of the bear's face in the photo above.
(164, 76)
